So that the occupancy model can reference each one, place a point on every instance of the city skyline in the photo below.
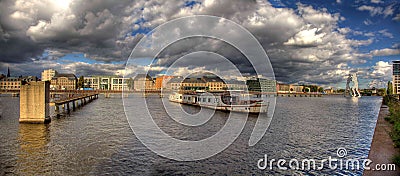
(307, 42)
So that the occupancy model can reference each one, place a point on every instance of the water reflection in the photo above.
(32, 154)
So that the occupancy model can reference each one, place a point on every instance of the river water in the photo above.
(97, 139)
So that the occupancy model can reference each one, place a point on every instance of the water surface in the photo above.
(97, 139)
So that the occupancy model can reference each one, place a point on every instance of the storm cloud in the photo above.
(304, 44)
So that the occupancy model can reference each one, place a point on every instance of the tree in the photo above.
(321, 89)
(389, 88)
(81, 82)
(130, 83)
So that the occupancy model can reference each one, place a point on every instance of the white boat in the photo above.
(235, 102)
(227, 101)
(190, 99)
(176, 97)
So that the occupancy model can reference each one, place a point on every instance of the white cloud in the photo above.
(375, 10)
(368, 22)
(306, 37)
(385, 52)
(371, 9)
(382, 68)
(379, 74)
(396, 18)
(376, 1)
(344, 30)
(385, 33)
(389, 10)
(369, 34)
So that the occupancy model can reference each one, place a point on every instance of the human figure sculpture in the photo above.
(353, 90)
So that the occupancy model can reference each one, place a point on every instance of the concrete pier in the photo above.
(75, 101)
(34, 102)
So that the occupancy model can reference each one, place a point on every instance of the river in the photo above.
(97, 139)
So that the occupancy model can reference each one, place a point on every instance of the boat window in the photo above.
(209, 100)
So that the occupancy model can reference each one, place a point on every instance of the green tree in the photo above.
(130, 83)
(321, 89)
(81, 82)
(389, 88)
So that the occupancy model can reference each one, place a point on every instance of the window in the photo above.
(209, 100)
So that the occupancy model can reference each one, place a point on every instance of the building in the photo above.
(10, 83)
(396, 77)
(236, 85)
(282, 88)
(295, 88)
(194, 84)
(14, 83)
(143, 82)
(214, 83)
(174, 83)
(63, 82)
(261, 85)
(47, 75)
(119, 84)
(161, 82)
(329, 91)
(91, 82)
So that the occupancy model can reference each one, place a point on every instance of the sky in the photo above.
(307, 42)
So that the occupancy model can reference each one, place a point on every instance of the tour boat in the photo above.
(176, 97)
(226, 101)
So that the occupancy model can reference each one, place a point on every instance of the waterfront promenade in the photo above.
(382, 147)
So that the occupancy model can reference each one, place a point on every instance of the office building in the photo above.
(47, 75)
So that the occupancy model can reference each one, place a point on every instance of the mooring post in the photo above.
(57, 110)
(68, 110)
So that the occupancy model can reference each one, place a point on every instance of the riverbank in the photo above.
(382, 148)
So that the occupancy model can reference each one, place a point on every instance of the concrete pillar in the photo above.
(34, 102)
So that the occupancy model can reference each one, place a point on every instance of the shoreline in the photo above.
(382, 147)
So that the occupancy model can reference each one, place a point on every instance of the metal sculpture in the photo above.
(352, 90)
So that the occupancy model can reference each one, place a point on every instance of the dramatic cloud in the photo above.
(305, 44)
